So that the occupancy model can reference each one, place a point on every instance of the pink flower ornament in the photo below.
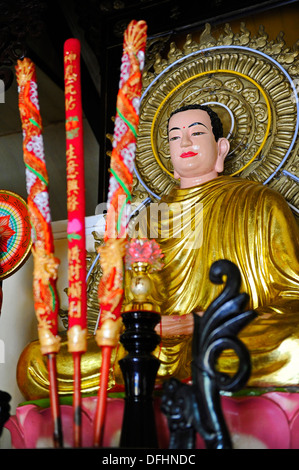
(142, 250)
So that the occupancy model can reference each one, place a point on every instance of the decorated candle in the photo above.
(120, 188)
(45, 264)
(125, 129)
(121, 182)
(75, 198)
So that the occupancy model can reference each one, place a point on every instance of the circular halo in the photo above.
(15, 233)
(229, 132)
(256, 99)
(214, 72)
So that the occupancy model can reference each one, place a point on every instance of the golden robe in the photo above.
(252, 226)
(226, 218)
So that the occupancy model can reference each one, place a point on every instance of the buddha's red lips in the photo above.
(188, 154)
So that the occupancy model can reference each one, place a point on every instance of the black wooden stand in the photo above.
(4, 409)
(139, 369)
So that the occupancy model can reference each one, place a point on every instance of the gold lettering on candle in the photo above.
(70, 103)
(72, 174)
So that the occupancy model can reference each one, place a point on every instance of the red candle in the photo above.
(75, 198)
(120, 189)
(121, 182)
(45, 264)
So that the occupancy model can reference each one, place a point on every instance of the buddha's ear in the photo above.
(223, 149)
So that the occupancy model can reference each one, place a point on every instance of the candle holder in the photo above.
(141, 287)
(140, 366)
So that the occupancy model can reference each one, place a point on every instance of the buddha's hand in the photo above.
(172, 325)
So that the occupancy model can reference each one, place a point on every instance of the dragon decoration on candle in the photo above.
(120, 183)
(45, 263)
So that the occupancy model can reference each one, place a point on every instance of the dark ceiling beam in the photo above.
(87, 53)
(50, 59)
(165, 17)
(233, 10)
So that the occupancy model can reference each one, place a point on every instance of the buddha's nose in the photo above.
(186, 140)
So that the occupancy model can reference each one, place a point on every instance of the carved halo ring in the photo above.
(254, 95)
(214, 72)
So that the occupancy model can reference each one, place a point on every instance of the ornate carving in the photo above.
(250, 82)
(197, 407)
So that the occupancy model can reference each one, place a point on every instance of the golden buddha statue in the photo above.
(229, 218)
(208, 217)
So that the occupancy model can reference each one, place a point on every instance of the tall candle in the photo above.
(121, 182)
(119, 196)
(75, 198)
(45, 264)
(125, 129)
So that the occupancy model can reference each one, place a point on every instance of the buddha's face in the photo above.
(195, 154)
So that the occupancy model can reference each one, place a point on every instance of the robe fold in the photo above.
(252, 226)
(226, 218)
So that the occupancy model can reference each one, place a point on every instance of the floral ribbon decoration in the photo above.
(111, 289)
(45, 264)
(121, 182)
(45, 295)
